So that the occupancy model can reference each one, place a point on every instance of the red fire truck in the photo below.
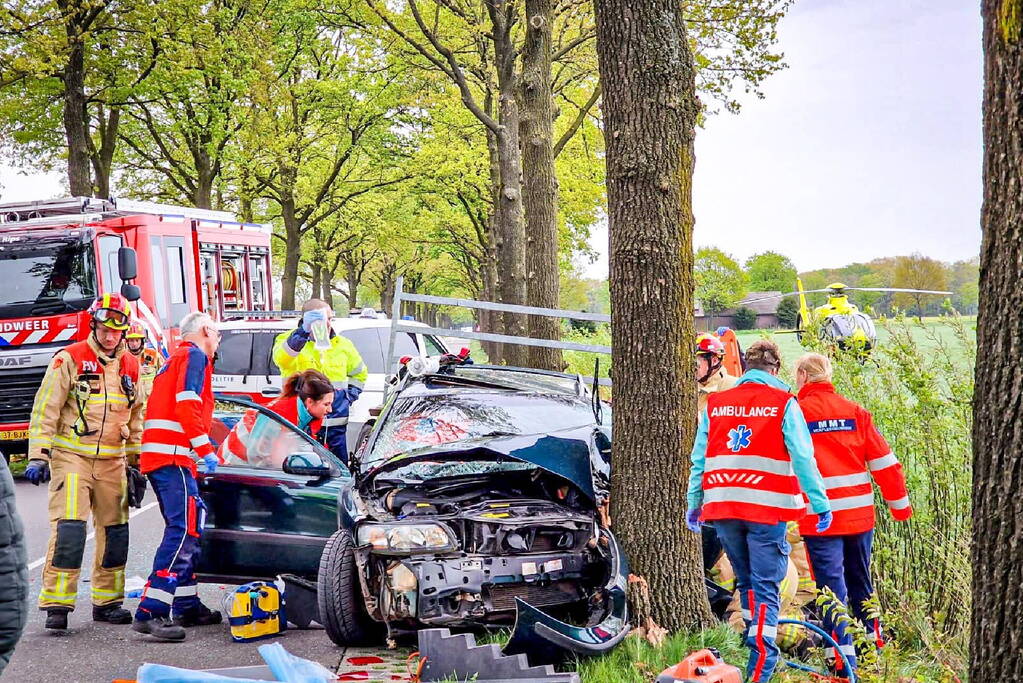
(57, 255)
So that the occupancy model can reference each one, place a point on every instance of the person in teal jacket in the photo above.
(296, 352)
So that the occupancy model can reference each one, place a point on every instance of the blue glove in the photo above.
(37, 471)
(310, 317)
(211, 463)
(693, 522)
(823, 521)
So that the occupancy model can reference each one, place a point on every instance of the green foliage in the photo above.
(745, 318)
(770, 272)
(788, 312)
(720, 282)
(919, 272)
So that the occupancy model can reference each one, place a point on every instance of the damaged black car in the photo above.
(477, 499)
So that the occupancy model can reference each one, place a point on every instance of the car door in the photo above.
(261, 520)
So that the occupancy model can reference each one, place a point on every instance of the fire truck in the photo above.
(57, 255)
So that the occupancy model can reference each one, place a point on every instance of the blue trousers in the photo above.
(172, 583)
(842, 564)
(335, 424)
(759, 555)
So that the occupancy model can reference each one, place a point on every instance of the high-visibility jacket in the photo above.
(254, 428)
(88, 404)
(150, 361)
(179, 412)
(849, 451)
(719, 381)
(753, 455)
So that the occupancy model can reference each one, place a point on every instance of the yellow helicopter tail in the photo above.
(804, 311)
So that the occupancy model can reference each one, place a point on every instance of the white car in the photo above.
(245, 366)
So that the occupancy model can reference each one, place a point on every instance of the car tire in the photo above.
(339, 594)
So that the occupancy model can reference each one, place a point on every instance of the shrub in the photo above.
(787, 312)
(745, 318)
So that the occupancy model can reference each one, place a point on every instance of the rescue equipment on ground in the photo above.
(829, 642)
(256, 610)
(281, 665)
(703, 666)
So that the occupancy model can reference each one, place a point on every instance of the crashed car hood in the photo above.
(567, 453)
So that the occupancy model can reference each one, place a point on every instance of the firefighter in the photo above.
(296, 351)
(178, 419)
(752, 459)
(711, 375)
(849, 452)
(86, 421)
(150, 360)
(305, 400)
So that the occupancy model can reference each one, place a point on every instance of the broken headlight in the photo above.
(406, 538)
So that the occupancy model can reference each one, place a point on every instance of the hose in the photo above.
(828, 640)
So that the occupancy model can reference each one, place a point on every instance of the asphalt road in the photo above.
(95, 652)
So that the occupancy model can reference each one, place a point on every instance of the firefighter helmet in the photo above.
(135, 331)
(709, 345)
(111, 310)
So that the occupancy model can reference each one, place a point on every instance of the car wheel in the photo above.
(339, 595)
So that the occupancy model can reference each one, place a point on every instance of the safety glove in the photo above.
(37, 471)
(693, 522)
(823, 521)
(309, 318)
(211, 463)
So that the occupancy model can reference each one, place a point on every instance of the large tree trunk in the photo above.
(996, 642)
(317, 275)
(103, 158)
(76, 129)
(292, 254)
(650, 110)
(541, 182)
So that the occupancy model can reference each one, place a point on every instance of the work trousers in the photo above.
(842, 564)
(759, 555)
(80, 486)
(172, 582)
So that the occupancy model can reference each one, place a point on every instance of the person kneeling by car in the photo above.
(306, 398)
(177, 428)
(752, 457)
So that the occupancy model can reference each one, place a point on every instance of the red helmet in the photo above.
(135, 331)
(709, 345)
(111, 310)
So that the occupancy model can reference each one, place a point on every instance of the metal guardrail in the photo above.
(398, 325)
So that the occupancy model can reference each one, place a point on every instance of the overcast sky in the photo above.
(868, 145)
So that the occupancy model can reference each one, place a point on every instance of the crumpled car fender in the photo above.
(547, 640)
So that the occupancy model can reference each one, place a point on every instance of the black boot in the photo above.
(112, 614)
(56, 619)
(161, 628)
(200, 616)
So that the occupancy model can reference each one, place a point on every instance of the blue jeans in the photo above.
(173, 582)
(842, 564)
(759, 555)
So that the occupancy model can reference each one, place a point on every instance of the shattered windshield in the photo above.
(46, 277)
(448, 418)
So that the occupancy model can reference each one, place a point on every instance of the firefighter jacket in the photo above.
(849, 452)
(753, 455)
(719, 381)
(258, 436)
(179, 412)
(88, 404)
(150, 361)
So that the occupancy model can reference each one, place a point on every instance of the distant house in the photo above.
(765, 309)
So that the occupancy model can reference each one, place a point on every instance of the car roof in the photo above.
(281, 324)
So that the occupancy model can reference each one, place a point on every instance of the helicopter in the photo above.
(841, 322)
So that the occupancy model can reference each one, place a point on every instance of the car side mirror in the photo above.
(308, 464)
(127, 264)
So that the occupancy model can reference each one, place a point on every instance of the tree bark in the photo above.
(292, 254)
(76, 129)
(650, 109)
(103, 158)
(315, 281)
(541, 182)
(996, 642)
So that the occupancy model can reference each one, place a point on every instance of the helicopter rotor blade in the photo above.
(782, 296)
(897, 289)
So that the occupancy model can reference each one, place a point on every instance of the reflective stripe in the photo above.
(335, 421)
(768, 631)
(71, 496)
(77, 446)
(169, 425)
(735, 494)
(201, 440)
(746, 615)
(340, 385)
(290, 351)
(848, 650)
(186, 591)
(358, 371)
(98, 593)
(882, 462)
(165, 449)
(187, 396)
(133, 449)
(900, 504)
(158, 595)
(749, 462)
(852, 502)
(61, 598)
(357, 384)
(841, 481)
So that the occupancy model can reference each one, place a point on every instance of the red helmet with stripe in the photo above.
(709, 345)
(135, 331)
(111, 310)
